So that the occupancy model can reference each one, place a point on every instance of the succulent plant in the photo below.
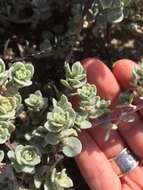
(82, 121)
(6, 128)
(58, 181)
(21, 74)
(97, 109)
(87, 93)
(62, 117)
(90, 103)
(61, 180)
(35, 102)
(75, 76)
(25, 158)
(8, 107)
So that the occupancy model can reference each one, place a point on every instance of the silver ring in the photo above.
(126, 161)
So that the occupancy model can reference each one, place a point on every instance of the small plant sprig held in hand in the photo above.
(35, 137)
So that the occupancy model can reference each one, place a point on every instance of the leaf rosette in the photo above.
(6, 128)
(75, 76)
(25, 158)
(90, 104)
(8, 107)
(87, 93)
(82, 121)
(35, 102)
(58, 181)
(97, 109)
(62, 117)
(21, 74)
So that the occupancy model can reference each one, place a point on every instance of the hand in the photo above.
(94, 161)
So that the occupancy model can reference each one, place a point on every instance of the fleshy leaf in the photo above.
(1, 155)
(72, 147)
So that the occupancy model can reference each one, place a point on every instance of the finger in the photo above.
(133, 132)
(122, 70)
(136, 176)
(100, 75)
(131, 184)
(103, 80)
(126, 187)
(124, 76)
(95, 167)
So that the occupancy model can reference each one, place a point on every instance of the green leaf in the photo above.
(2, 66)
(67, 133)
(52, 138)
(1, 155)
(85, 125)
(72, 147)
(77, 68)
(38, 181)
(75, 76)
(115, 15)
(106, 3)
(48, 184)
(61, 180)
(64, 102)
(65, 83)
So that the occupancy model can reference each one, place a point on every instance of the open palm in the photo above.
(94, 161)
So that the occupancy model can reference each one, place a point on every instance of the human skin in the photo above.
(94, 160)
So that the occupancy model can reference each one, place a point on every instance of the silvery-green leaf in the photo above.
(18, 100)
(68, 132)
(65, 83)
(52, 128)
(85, 125)
(64, 103)
(38, 181)
(28, 136)
(3, 72)
(72, 117)
(25, 169)
(1, 155)
(117, 4)
(48, 184)
(68, 70)
(11, 155)
(2, 66)
(62, 180)
(4, 133)
(72, 147)
(77, 68)
(106, 3)
(115, 15)
(52, 138)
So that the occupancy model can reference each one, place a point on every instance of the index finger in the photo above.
(95, 167)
